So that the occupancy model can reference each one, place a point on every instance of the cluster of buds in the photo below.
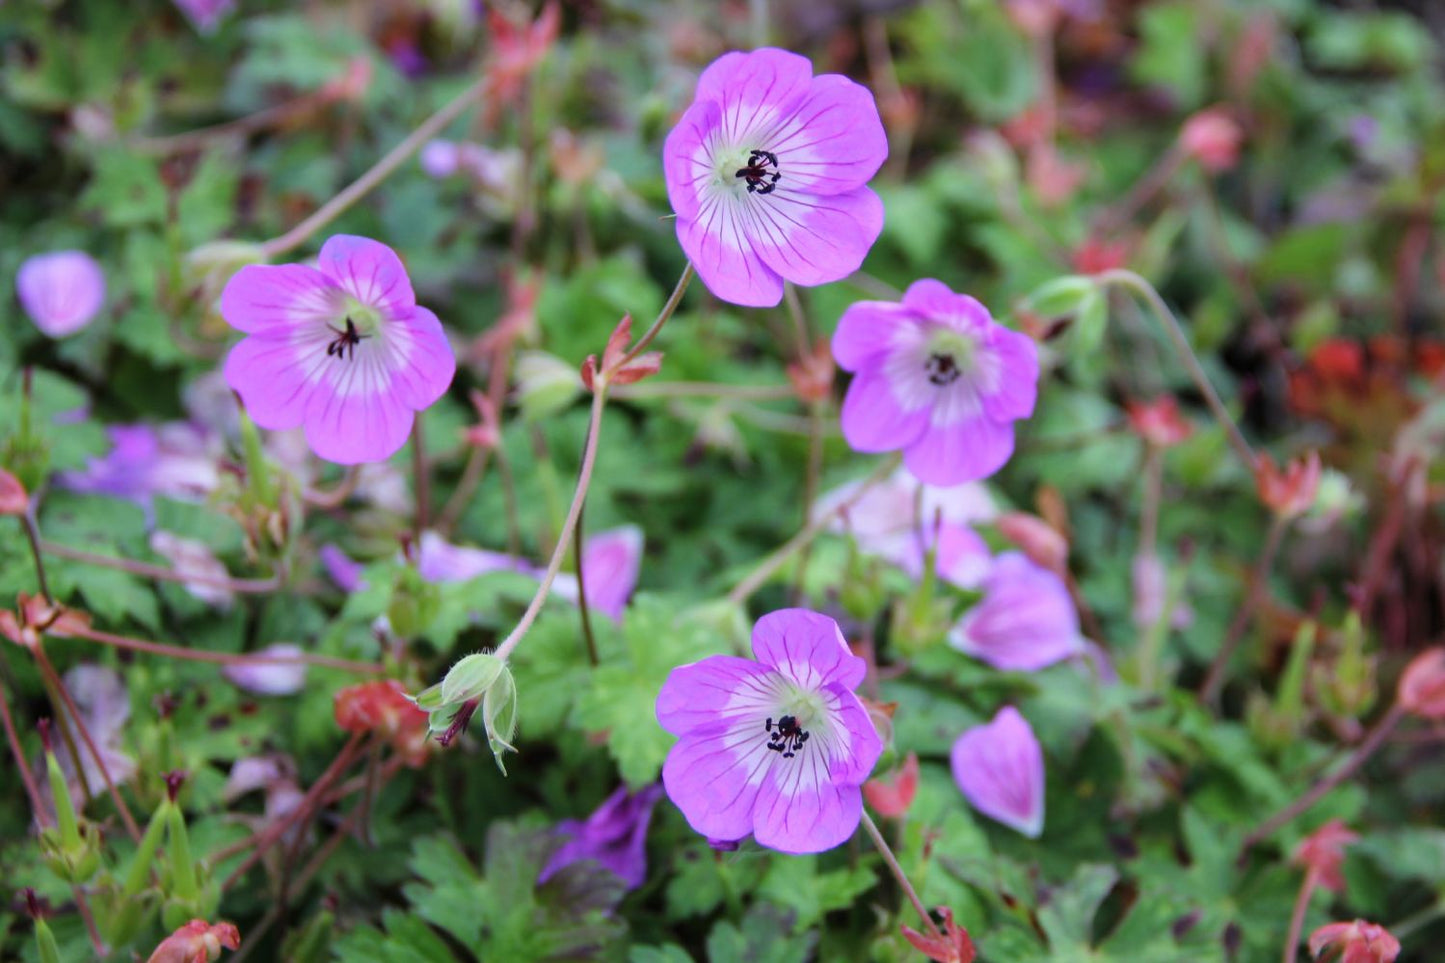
(34, 617)
(480, 681)
(72, 846)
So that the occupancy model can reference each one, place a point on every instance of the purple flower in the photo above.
(344, 570)
(961, 556)
(936, 377)
(343, 351)
(193, 558)
(270, 678)
(1025, 620)
(439, 158)
(61, 291)
(440, 561)
(610, 563)
(778, 748)
(205, 14)
(999, 768)
(176, 460)
(900, 504)
(615, 836)
(100, 695)
(767, 172)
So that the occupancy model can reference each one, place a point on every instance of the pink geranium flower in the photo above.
(767, 172)
(1025, 621)
(935, 377)
(61, 291)
(999, 768)
(778, 748)
(343, 351)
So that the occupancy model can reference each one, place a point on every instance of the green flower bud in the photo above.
(499, 716)
(470, 678)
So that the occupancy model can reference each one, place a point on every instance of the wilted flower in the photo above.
(615, 836)
(383, 707)
(776, 748)
(343, 351)
(1357, 942)
(197, 942)
(999, 768)
(1213, 138)
(892, 795)
(204, 15)
(270, 678)
(61, 291)
(1158, 421)
(193, 558)
(767, 172)
(1291, 492)
(1025, 621)
(936, 377)
(1422, 687)
(1322, 853)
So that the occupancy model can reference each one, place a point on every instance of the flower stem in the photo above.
(22, 766)
(382, 169)
(224, 658)
(1297, 918)
(1363, 752)
(259, 586)
(32, 534)
(893, 867)
(1175, 332)
(569, 526)
(584, 610)
(1214, 679)
(420, 481)
(702, 389)
(58, 684)
(768, 566)
(667, 311)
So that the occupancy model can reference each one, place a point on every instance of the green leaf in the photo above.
(1067, 919)
(1171, 55)
(125, 190)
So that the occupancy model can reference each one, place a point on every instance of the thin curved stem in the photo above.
(251, 586)
(584, 610)
(223, 658)
(770, 565)
(1297, 917)
(382, 169)
(897, 870)
(569, 526)
(22, 765)
(32, 534)
(667, 311)
(335, 497)
(1175, 332)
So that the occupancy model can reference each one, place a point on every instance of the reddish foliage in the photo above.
(1323, 851)
(954, 946)
(892, 795)
(196, 942)
(1158, 421)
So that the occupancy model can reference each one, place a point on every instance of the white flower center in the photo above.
(746, 170)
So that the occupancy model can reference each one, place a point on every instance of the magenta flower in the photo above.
(615, 836)
(936, 377)
(1025, 621)
(999, 768)
(440, 561)
(176, 460)
(778, 748)
(343, 351)
(610, 564)
(767, 172)
(61, 291)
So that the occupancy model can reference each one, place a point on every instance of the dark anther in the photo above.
(787, 737)
(942, 369)
(347, 339)
(760, 179)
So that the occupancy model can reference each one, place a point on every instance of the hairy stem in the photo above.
(893, 867)
(1175, 332)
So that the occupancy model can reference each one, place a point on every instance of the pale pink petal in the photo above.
(276, 376)
(686, 161)
(811, 239)
(422, 364)
(719, 248)
(275, 299)
(999, 767)
(755, 90)
(610, 563)
(270, 678)
(798, 810)
(1016, 386)
(60, 291)
(834, 142)
(356, 416)
(369, 271)
(963, 451)
(865, 332)
(872, 418)
(937, 302)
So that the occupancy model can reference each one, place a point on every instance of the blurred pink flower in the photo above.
(1158, 421)
(13, 499)
(204, 15)
(61, 291)
(999, 768)
(1322, 852)
(1290, 492)
(1036, 538)
(961, 556)
(767, 171)
(196, 942)
(892, 795)
(343, 351)
(1356, 942)
(937, 377)
(888, 508)
(1422, 686)
(175, 460)
(611, 561)
(274, 678)
(1213, 138)
(614, 836)
(193, 558)
(1025, 621)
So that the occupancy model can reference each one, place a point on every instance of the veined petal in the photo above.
(275, 376)
(1017, 380)
(715, 690)
(713, 776)
(687, 160)
(798, 810)
(369, 271)
(806, 647)
(834, 141)
(754, 90)
(354, 415)
(874, 420)
(937, 302)
(419, 356)
(966, 450)
(811, 239)
(999, 767)
(268, 299)
(725, 259)
(854, 744)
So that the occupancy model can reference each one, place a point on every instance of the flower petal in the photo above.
(714, 784)
(61, 291)
(811, 239)
(686, 158)
(421, 362)
(999, 767)
(1016, 383)
(866, 331)
(264, 298)
(834, 141)
(937, 302)
(275, 376)
(755, 90)
(1025, 621)
(963, 451)
(872, 418)
(369, 271)
(724, 256)
(807, 648)
(800, 811)
(717, 689)
(610, 563)
(354, 415)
